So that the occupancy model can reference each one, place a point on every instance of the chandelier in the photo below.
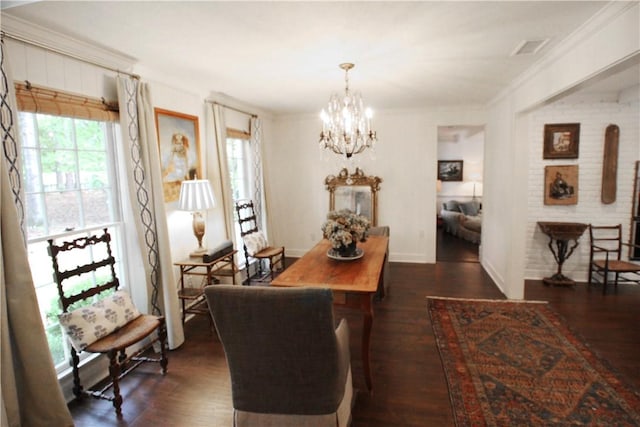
(346, 124)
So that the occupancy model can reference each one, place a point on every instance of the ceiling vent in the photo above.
(529, 47)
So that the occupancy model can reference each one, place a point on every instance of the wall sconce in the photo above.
(196, 196)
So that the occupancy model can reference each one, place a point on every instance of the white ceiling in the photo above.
(283, 56)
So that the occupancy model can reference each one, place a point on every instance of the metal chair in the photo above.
(98, 317)
(255, 243)
(605, 257)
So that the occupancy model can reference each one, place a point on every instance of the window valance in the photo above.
(238, 134)
(36, 99)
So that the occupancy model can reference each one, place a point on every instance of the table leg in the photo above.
(367, 322)
(561, 254)
(182, 300)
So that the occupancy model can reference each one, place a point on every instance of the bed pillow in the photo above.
(86, 325)
(255, 242)
(469, 208)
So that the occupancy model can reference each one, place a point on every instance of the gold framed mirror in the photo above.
(356, 192)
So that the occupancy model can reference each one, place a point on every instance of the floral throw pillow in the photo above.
(86, 325)
(255, 242)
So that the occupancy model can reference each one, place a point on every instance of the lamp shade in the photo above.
(476, 177)
(196, 195)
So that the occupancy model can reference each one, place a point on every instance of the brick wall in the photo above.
(593, 117)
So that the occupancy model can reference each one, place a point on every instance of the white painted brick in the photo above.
(593, 119)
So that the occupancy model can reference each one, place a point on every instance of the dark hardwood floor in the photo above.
(450, 248)
(409, 383)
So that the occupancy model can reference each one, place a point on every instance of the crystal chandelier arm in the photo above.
(346, 123)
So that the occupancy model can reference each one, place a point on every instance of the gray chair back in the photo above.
(281, 348)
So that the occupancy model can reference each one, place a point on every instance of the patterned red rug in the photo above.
(517, 364)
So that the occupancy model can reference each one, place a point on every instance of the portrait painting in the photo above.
(450, 170)
(561, 185)
(179, 147)
(561, 141)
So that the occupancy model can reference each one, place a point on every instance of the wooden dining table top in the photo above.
(316, 269)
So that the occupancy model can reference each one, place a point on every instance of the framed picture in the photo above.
(179, 147)
(561, 185)
(450, 170)
(561, 141)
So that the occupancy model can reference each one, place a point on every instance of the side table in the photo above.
(192, 298)
(562, 233)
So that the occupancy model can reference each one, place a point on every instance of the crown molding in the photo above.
(29, 33)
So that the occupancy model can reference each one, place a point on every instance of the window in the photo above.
(71, 190)
(243, 165)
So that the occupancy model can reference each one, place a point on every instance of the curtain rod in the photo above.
(69, 55)
(255, 116)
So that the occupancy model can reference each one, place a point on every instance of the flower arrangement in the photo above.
(344, 228)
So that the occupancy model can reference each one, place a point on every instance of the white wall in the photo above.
(44, 68)
(497, 200)
(185, 97)
(49, 69)
(406, 155)
(405, 159)
(593, 119)
(607, 41)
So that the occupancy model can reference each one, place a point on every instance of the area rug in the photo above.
(517, 364)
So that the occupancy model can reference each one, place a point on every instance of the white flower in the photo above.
(344, 227)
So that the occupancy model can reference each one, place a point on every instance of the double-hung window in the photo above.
(70, 190)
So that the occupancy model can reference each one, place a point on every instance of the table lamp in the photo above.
(196, 196)
(476, 178)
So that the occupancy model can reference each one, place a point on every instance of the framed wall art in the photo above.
(561, 141)
(561, 185)
(450, 170)
(179, 147)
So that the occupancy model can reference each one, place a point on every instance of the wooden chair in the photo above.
(605, 257)
(98, 317)
(255, 243)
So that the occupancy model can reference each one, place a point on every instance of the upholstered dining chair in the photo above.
(605, 257)
(289, 365)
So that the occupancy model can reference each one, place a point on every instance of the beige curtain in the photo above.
(220, 135)
(147, 212)
(268, 221)
(31, 395)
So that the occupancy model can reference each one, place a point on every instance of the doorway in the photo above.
(459, 192)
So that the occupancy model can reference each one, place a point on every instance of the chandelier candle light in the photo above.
(346, 124)
(196, 196)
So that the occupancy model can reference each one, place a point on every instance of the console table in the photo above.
(562, 233)
(192, 298)
(354, 283)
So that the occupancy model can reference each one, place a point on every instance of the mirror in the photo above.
(356, 192)
(634, 252)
